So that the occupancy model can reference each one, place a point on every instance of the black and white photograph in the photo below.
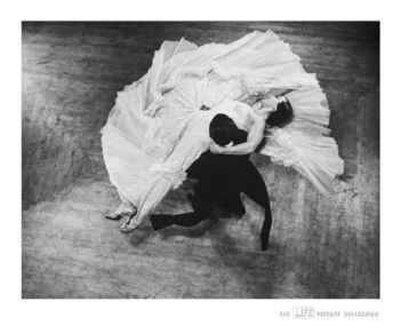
(203, 166)
(200, 159)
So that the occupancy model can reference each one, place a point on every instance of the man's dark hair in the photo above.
(223, 130)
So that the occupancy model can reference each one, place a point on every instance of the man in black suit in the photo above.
(221, 180)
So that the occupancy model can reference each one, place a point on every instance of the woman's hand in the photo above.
(217, 149)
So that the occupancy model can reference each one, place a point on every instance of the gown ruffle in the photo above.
(156, 128)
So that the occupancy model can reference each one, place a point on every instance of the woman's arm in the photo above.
(256, 134)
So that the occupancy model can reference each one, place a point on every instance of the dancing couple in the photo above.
(200, 112)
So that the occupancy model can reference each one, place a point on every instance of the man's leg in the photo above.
(231, 202)
(219, 171)
(215, 174)
(253, 185)
(162, 221)
(201, 203)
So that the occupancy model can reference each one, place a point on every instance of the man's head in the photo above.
(223, 130)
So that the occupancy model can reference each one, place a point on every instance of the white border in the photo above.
(186, 315)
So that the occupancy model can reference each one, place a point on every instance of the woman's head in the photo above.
(282, 116)
(223, 129)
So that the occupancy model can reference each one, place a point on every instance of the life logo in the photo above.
(303, 312)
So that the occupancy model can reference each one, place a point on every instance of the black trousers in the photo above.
(221, 179)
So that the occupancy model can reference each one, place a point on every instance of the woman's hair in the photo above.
(282, 116)
(223, 130)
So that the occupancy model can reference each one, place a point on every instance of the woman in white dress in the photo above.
(158, 126)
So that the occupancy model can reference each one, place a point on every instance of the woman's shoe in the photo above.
(119, 214)
(114, 216)
(128, 225)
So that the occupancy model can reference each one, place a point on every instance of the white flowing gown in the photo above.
(157, 129)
